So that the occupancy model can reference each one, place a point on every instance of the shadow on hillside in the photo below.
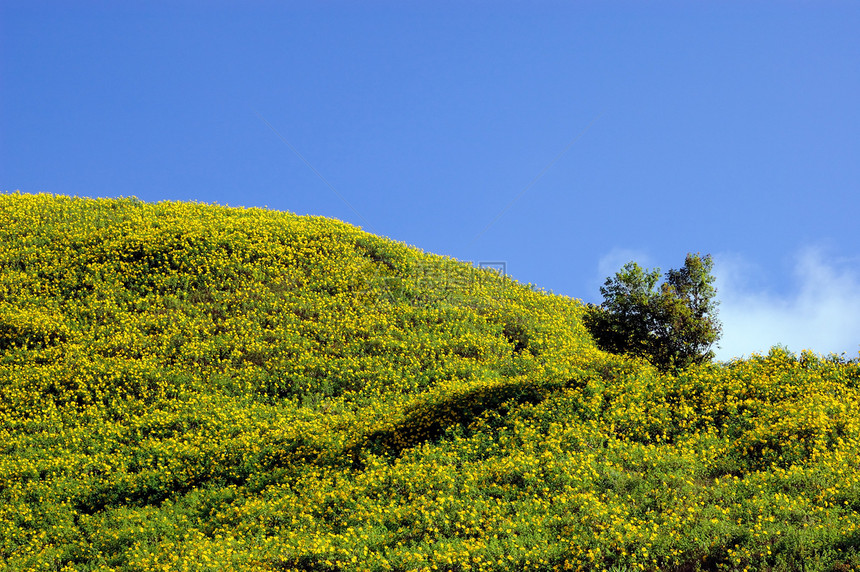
(428, 422)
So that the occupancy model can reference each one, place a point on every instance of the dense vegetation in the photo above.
(191, 387)
(673, 326)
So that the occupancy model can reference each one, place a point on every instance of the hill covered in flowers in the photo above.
(194, 387)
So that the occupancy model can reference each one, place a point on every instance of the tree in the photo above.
(673, 326)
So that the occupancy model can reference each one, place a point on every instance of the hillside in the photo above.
(194, 387)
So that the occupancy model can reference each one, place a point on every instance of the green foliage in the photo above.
(188, 387)
(673, 326)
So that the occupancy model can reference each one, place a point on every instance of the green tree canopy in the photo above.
(674, 325)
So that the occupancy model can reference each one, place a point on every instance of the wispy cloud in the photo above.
(820, 312)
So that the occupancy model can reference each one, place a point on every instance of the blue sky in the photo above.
(585, 134)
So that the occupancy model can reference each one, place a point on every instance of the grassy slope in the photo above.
(194, 387)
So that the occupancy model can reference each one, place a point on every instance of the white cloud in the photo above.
(821, 312)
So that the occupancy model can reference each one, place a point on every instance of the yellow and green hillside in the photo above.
(193, 387)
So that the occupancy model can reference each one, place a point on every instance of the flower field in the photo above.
(194, 387)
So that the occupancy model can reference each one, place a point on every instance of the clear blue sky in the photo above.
(730, 128)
